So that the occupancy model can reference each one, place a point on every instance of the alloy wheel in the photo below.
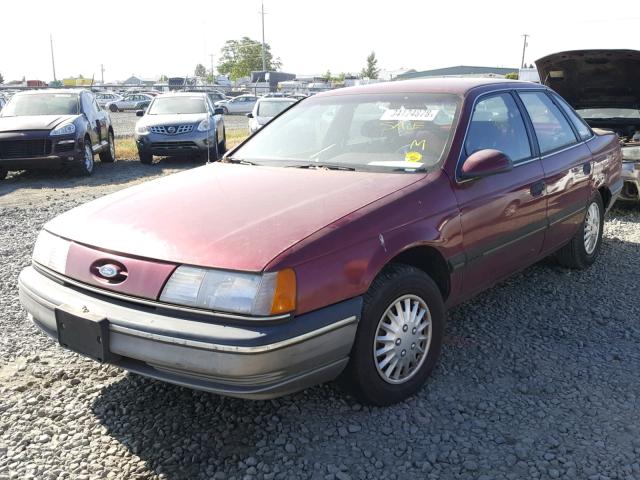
(591, 228)
(88, 158)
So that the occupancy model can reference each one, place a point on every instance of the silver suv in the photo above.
(180, 124)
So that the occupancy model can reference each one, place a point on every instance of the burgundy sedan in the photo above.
(331, 242)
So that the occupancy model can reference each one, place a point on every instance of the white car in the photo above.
(239, 104)
(265, 109)
(103, 98)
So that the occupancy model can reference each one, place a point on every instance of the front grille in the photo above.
(174, 145)
(65, 147)
(171, 129)
(25, 148)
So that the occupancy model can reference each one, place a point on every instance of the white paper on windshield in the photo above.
(410, 114)
(396, 164)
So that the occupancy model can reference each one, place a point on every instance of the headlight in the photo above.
(142, 129)
(51, 251)
(236, 292)
(67, 129)
(204, 126)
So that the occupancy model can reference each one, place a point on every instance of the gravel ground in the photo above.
(124, 123)
(538, 379)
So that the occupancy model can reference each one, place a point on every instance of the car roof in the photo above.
(181, 94)
(457, 86)
(52, 90)
(277, 99)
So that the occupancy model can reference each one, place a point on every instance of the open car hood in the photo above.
(594, 78)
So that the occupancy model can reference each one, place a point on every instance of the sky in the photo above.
(150, 39)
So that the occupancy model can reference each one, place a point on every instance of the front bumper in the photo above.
(175, 145)
(55, 152)
(256, 361)
(631, 178)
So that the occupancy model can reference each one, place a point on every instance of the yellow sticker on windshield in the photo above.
(413, 156)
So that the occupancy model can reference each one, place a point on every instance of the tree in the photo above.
(372, 70)
(511, 76)
(163, 78)
(327, 76)
(239, 58)
(1, 78)
(200, 71)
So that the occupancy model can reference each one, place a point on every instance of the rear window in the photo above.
(268, 108)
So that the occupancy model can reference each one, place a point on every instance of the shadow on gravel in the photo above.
(122, 171)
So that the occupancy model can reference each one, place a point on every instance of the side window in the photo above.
(85, 100)
(497, 123)
(551, 127)
(583, 129)
(96, 107)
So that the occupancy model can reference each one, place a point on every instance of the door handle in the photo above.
(537, 189)
(586, 168)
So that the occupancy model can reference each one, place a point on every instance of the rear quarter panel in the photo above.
(607, 160)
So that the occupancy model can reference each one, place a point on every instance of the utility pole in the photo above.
(212, 79)
(264, 58)
(53, 63)
(524, 49)
(102, 72)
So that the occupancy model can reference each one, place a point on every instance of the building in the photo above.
(77, 82)
(459, 71)
(140, 82)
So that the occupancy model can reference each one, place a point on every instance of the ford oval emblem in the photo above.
(109, 270)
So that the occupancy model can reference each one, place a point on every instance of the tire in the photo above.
(109, 155)
(113, 108)
(145, 158)
(222, 146)
(371, 378)
(85, 167)
(3, 173)
(584, 247)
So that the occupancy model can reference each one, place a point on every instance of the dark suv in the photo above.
(53, 129)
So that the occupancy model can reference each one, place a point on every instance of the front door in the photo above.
(503, 216)
(566, 161)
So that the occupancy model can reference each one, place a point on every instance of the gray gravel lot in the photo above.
(124, 123)
(538, 379)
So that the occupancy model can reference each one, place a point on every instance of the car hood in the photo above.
(33, 122)
(222, 215)
(151, 120)
(594, 78)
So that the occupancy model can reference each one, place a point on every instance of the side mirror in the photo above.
(249, 115)
(484, 163)
(218, 111)
(139, 113)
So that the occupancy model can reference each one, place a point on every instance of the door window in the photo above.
(583, 129)
(551, 127)
(497, 123)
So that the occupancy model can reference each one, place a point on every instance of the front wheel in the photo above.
(584, 247)
(85, 168)
(113, 108)
(222, 146)
(225, 111)
(109, 155)
(399, 337)
(145, 158)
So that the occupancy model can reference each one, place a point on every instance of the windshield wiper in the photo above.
(323, 166)
(239, 161)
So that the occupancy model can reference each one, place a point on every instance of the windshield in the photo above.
(272, 108)
(594, 113)
(42, 104)
(177, 105)
(383, 132)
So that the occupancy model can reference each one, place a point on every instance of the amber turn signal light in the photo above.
(284, 296)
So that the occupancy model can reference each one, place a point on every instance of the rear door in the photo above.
(567, 165)
(503, 216)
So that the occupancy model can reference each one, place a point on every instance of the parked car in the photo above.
(177, 124)
(104, 98)
(239, 104)
(137, 101)
(331, 242)
(604, 88)
(3, 102)
(53, 129)
(265, 109)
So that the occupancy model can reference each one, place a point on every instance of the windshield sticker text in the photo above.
(415, 114)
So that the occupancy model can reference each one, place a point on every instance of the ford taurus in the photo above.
(339, 236)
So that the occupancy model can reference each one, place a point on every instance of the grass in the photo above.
(126, 146)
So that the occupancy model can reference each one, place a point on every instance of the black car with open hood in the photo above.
(604, 88)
